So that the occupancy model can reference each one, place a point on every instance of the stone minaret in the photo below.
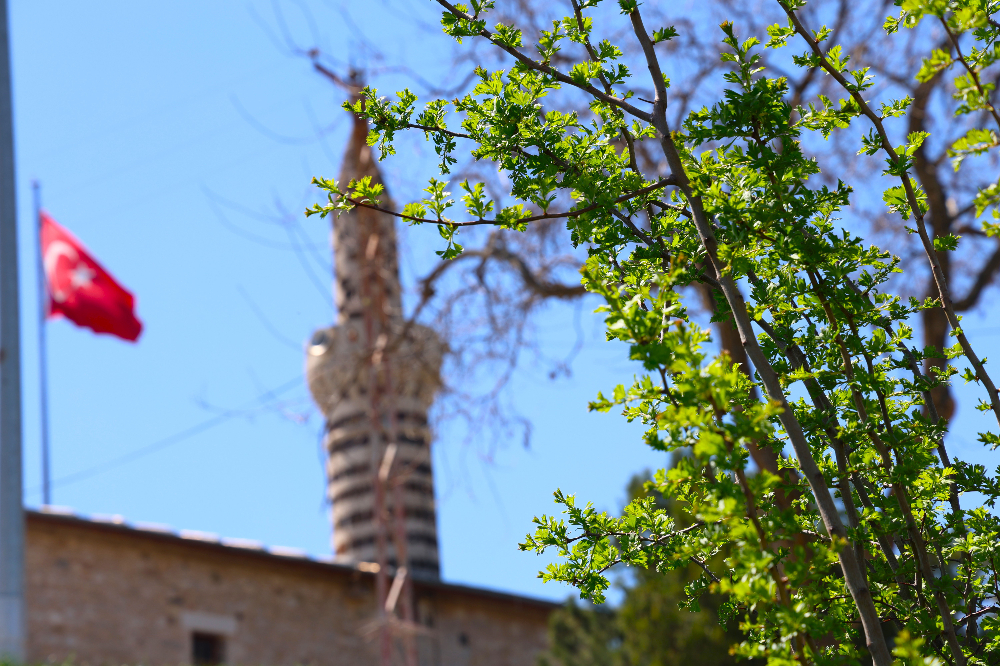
(374, 377)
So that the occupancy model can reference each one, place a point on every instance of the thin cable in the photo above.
(324, 290)
(207, 424)
(266, 323)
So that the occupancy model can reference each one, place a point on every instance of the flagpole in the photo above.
(43, 350)
(12, 620)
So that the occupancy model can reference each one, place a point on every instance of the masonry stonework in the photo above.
(104, 593)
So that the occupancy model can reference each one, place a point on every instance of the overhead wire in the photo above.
(170, 440)
(217, 202)
(266, 323)
(137, 119)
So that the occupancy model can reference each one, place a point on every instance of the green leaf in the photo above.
(664, 34)
(947, 243)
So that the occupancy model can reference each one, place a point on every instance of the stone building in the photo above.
(101, 591)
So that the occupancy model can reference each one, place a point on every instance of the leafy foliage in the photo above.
(859, 547)
(972, 90)
(650, 627)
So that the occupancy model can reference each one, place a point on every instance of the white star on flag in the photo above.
(81, 276)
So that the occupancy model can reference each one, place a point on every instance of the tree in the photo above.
(650, 627)
(852, 542)
(484, 302)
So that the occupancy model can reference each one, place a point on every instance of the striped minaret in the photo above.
(374, 378)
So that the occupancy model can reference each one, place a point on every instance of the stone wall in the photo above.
(105, 593)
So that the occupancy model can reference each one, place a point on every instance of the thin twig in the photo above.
(664, 182)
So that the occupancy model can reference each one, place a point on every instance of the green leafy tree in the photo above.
(655, 625)
(861, 542)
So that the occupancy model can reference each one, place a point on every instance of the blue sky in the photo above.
(177, 140)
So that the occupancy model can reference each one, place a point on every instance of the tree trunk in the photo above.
(939, 219)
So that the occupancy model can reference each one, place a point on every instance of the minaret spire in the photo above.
(374, 377)
(354, 232)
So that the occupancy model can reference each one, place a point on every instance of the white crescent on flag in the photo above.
(53, 252)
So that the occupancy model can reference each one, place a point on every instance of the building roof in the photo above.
(57, 515)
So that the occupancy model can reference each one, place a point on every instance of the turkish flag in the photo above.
(80, 289)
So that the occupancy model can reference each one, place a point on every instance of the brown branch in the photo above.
(664, 182)
(983, 279)
(541, 287)
(704, 567)
(973, 73)
(626, 135)
(631, 225)
(350, 85)
(440, 130)
(979, 613)
(940, 220)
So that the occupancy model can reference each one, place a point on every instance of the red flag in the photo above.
(80, 289)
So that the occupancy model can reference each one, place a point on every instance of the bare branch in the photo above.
(983, 279)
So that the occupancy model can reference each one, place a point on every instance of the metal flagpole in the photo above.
(43, 352)
(12, 625)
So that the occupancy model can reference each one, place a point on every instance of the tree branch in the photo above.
(664, 182)
(541, 287)
(983, 279)
(940, 279)
(972, 73)
(546, 69)
(853, 573)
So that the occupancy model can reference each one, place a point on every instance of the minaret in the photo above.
(374, 377)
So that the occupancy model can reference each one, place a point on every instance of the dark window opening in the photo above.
(207, 649)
